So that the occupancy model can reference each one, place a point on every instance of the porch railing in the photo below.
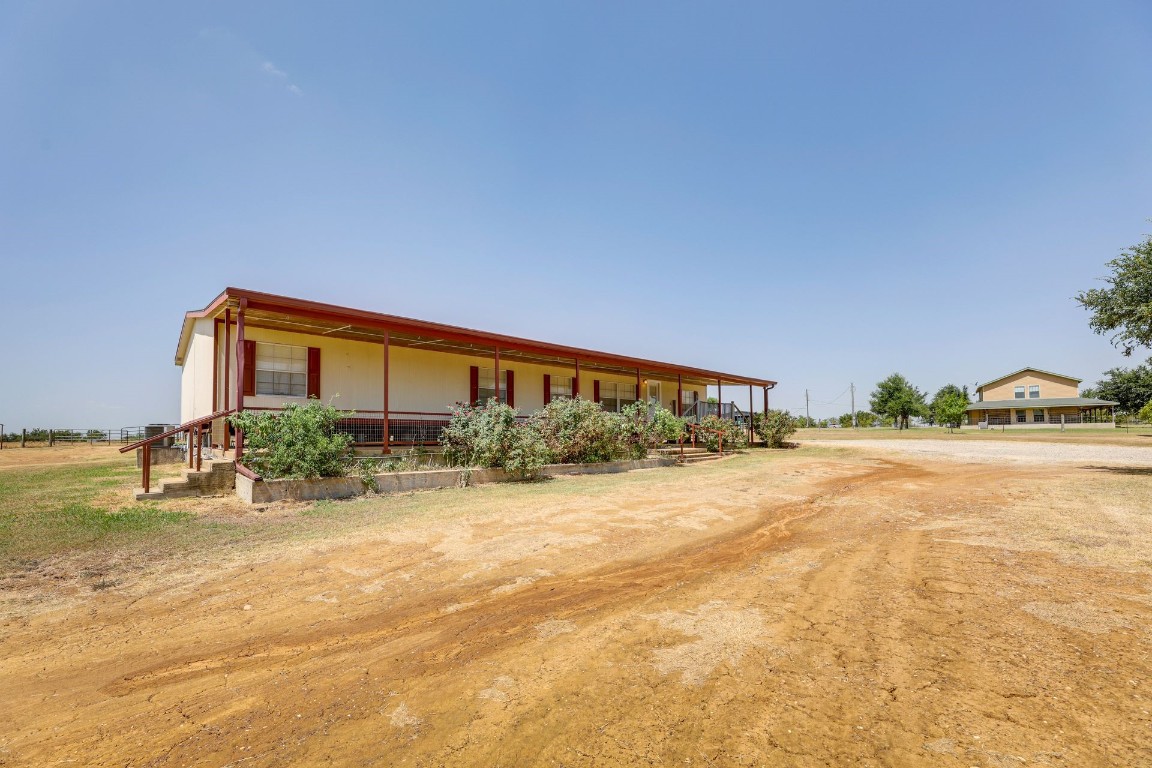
(700, 409)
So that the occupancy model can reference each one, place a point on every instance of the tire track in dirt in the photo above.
(495, 621)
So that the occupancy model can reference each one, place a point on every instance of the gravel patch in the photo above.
(1015, 451)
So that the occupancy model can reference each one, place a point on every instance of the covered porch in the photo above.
(257, 351)
(1041, 413)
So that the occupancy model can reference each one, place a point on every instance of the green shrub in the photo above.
(490, 435)
(641, 430)
(774, 427)
(579, 431)
(300, 441)
(735, 436)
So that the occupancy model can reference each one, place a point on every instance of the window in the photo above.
(487, 389)
(1033, 390)
(1019, 392)
(1021, 417)
(281, 370)
(614, 396)
(1038, 416)
(560, 388)
(688, 396)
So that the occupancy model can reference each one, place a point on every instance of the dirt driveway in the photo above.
(819, 608)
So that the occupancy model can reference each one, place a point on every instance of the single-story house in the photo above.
(1031, 397)
(256, 351)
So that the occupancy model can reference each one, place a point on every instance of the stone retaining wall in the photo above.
(264, 491)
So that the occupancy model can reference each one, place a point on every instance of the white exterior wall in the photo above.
(352, 376)
(196, 375)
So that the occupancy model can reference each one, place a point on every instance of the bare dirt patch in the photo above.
(820, 608)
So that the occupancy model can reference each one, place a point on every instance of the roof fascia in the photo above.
(273, 303)
(1022, 370)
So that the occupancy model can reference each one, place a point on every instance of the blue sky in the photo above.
(819, 193)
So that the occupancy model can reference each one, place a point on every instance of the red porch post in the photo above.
(576, 380)
(638, 398)
(240, 367)
(679, 394)
(215, 365)
(227, 366)
(765, 399)
(750, 430)
(387, 448)
(496, 375)
(719, 399)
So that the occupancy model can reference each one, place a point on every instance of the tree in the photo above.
(947, 392)
(896, 398)
(1130, 387)
(1145, 414)
(950, 408)
(1124, 308)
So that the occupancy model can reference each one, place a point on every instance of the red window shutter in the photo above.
(511, 393)
(596, 390)
(314, 372)
(249, 368)
(474, 385)
(547, 389)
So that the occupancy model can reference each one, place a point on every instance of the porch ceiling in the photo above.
(299, 316)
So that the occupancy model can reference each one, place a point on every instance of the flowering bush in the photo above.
(774, 427)
(489, 435)
(579, 431)
(300, 441)
(641, 431)
(734, 435)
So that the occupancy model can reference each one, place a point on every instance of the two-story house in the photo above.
(1034, 398)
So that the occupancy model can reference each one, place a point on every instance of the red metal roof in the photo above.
(257, 301)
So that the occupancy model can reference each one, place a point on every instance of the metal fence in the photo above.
(73, 436)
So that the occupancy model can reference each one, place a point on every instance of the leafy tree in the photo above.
(896, 398)
(1124, 308)
(845, 420)
(949, 408)
(774, 427)
(865, 419)
(1130, 387)
(946, 393)
(1145, 414)
(301, 441)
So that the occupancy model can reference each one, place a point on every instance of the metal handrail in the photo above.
(177, 430)
(693, 427)
(195, 445)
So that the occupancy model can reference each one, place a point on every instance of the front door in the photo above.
(654, 393)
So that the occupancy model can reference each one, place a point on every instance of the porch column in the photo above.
(679, 394)
(638, 388)
(240, 367)
(576, 381)
(719, 399)
(750, 430)
(1113, 409)
(496, 375)
(386, 448)
(227, 358)
(765, 399)
(215, 365)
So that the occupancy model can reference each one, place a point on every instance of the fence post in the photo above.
(23, 436)
(1061, 422)
(51, 438)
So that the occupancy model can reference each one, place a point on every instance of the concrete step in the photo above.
(215, 478)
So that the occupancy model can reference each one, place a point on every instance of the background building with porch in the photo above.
(250, 351)
(1031, 397)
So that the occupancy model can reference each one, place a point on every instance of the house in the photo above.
(256, 351)
(1031, 397)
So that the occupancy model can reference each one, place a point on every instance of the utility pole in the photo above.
(807, 415)
(853, 388)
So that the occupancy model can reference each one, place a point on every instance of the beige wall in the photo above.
(352, 375)
(196, 375)
(1050, 386)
